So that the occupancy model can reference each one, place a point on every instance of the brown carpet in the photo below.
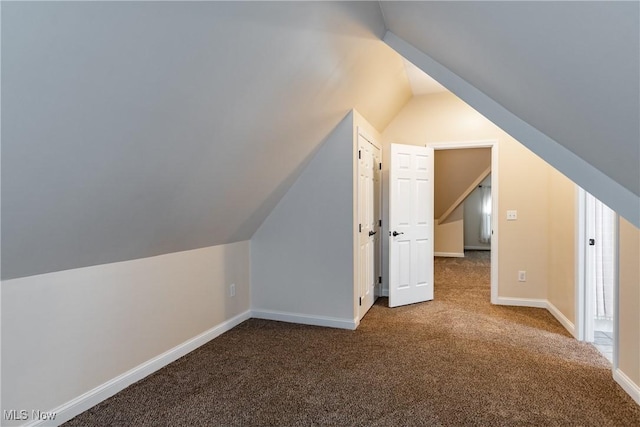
(454, 361)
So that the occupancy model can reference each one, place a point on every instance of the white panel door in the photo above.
(368, 214)
(377, 211)
(410, 225)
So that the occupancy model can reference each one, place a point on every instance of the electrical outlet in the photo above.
(512, 215)
(522, 276)
(232, 290)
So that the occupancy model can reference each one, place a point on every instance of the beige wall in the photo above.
(562, 248)
(360, 122)
(448, 237)
(74, 330)
(522, 176)
(629, 301)
(454, 171)
(523, 243)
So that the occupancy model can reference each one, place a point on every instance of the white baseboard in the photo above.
(306, 319)
(477, 248)
(540, 303)
(631, 388)
(627, 385)
(449, 254)
(568, 325)
(522, 302)
(384, 292)
(91, 398)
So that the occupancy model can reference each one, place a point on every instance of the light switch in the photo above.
(512, 215)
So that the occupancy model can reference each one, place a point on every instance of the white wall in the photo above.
(67, 333)
(302, 255)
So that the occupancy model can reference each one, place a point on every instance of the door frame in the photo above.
(493, 144)
(581, 292)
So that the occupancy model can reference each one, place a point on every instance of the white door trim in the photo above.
(581, 242)
(493, 144)
(581, 277)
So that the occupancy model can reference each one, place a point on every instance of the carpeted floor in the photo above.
(454, 361)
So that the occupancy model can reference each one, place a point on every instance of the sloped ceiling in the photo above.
(136, 129)
(569, 69)
(132, 129)
(454, 171)
(420, 82)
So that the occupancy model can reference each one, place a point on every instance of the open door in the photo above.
(410, 224)
(598, 290)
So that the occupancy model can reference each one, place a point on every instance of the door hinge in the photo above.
(359, 154)
(379, 279)
(360, 301)
(380, 164)
(592, 242)
(380, 222)
(359, 228)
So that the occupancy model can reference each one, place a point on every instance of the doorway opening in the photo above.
(477, 218)
(477, 207)
(597, 275)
